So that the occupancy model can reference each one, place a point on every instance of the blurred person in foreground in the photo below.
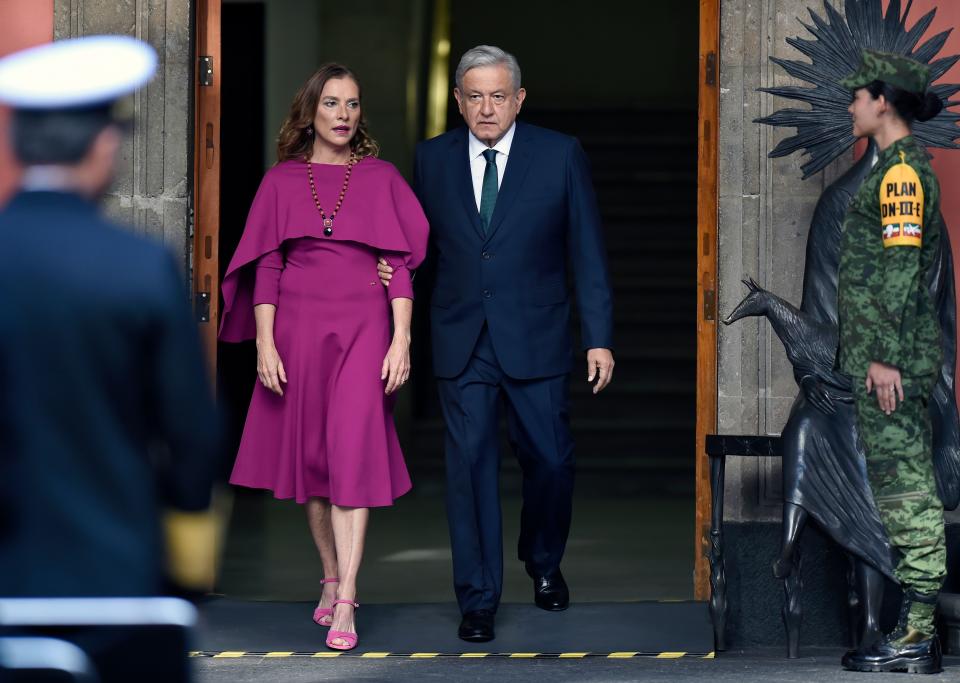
(106, 416)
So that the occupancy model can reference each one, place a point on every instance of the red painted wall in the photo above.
(946, 162)
(23, 23)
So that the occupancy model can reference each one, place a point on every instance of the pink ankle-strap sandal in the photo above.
(348, 636)
(322, 613)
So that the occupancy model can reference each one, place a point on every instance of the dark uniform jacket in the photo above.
(890, 239)
(105, 412)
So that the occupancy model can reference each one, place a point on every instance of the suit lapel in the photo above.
(464, 179)
(518, 163)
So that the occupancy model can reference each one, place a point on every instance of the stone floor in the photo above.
(735, 667)
(632, 539)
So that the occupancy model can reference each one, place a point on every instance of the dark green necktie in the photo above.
(488, 191)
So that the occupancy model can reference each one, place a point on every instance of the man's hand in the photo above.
(384, 271)
(600, 365)
(886, 379)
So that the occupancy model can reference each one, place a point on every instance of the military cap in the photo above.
(77, 74)
(897, 70)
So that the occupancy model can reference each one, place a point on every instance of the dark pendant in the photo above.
(328, 231)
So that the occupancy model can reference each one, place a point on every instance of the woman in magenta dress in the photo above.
(303, 282)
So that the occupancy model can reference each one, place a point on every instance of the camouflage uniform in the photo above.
(890, 237)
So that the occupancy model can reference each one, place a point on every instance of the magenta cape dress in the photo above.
(331, 434)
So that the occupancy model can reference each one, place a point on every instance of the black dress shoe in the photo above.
(550, 591)
(915, 653)
(476, 626)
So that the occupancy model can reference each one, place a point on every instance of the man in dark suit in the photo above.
(106, 415)
(509, 205)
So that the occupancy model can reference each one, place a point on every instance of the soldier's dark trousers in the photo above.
(900, 469)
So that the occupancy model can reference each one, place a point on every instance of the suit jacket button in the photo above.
(487, 294)
(485, 256)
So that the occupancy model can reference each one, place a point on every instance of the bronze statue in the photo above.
(824, 473)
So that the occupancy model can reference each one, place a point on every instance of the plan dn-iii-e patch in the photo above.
(901, 206)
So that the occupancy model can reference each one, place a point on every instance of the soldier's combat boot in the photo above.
(905, 649)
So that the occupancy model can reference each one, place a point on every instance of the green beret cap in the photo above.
(897, 70)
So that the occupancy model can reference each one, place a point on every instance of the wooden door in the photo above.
(206, 177)
(707, 207)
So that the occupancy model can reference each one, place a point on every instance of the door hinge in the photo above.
(709, 304)
(711, 68)
(201, 306)
(206, 70)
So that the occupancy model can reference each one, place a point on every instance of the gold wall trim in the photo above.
(438, 85)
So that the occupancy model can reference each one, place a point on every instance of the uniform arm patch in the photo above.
(901, 206)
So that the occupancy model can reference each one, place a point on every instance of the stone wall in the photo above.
(765, 210)
(152, 188)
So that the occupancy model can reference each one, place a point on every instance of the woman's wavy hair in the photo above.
(296, 134)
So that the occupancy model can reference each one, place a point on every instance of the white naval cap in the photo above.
(75, 73)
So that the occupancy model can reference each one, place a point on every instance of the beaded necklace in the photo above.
(328, 221)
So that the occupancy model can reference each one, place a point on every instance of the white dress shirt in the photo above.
(478, 164)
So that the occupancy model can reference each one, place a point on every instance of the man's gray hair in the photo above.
(487, 55)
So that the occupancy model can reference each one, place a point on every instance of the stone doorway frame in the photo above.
(205, 260)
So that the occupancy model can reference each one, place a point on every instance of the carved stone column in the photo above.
(151, 192)
(765, 212)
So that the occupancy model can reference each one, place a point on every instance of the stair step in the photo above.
(636, 147)
(677, 315)
(634, 249)
(613, 439)
(653, 354)
(663, 274)
(611, 178)
(647, 212)
(679, 339)
(669, 233)
(676, 230)
(643, 386)
(645, 411)
(605, 164)
(631, 122)
(632, 433)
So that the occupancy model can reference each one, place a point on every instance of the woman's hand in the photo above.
(270, 368)
(886, 380)
(396, 364)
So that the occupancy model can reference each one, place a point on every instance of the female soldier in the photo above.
(890, 343)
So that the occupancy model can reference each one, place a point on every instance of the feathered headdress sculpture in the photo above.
(824, 131)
